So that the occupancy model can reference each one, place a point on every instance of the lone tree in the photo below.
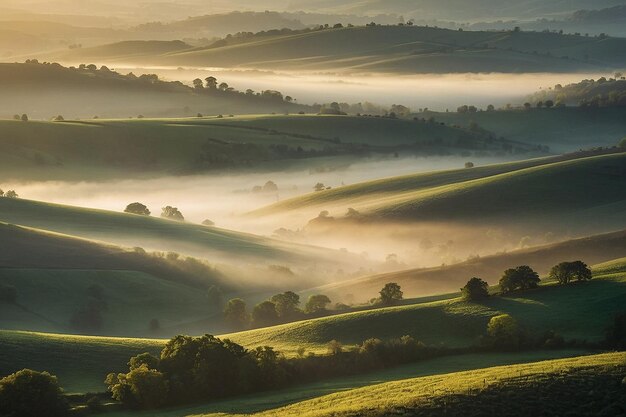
(24, 117)
(475, 289)
(11, 194)
(235, 313)
(172, 213)
(569, 271)
(391, 294)
(137, 208)
(521, 278)
(29, 393)
(316, 304)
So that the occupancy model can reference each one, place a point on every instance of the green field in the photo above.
(578, 311)
(476, 391)
(590, 189)
(393, 49)
(139, 148)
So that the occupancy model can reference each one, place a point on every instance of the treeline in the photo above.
(603, 92)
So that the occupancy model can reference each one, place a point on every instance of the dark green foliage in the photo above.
(29, 393)
(207, 368)
(235, 313)
(520, 278)
(390, 294)
(137, 208)
(287, 305)
(475, 289)
(565, 272)
(317, 304)
(264, 314)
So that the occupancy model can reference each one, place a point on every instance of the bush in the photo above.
(29, 393)
(142, 387)
(503, 331)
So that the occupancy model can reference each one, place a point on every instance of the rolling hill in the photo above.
(587, 307)
(100, 149)
(154, 233)
(590, 188)
(480, 392)
(44, 90)
(396, 49)
(449, 278)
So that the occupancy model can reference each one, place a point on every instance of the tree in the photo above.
(29, 393)
(390, 294)
(504, 331)
(137, 208)
(622, 143)
(286, 304)
(58, 118)
(335, 347)
(211, 83)
(223, 86)
(469, 165)
(475, 289)
(521, 278)
(316, 304)
(172, 213)
(197, 84)
(264, 314)
(24, 117)
(151, 361)
(549, 103)
(569, 271)
(491, 108)
(235, 313)
(11, 194)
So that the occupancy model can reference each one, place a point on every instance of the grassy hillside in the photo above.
(449, 278)
(46, 90)
(563, 129)
(590, 188)
(588, 308)
(402, 49)
(155, 233)
(80, 362)
(480, 392)
(149, 147)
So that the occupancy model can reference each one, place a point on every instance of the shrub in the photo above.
(503, 331)
(29, 393)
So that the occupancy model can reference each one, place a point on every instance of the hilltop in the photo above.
(395, 49)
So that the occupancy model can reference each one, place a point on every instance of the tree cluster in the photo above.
(565, 272)
(207, 368)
